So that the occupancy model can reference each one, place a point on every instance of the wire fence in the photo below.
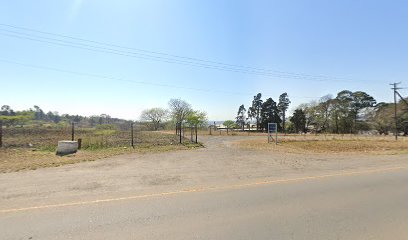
(102, 136)
(106, 135)
(302, 137)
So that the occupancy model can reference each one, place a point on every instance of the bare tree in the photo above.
(179, 109)
(155, 116)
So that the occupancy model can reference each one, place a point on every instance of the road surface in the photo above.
(369, 204)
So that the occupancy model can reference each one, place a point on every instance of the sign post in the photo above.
(272, 129)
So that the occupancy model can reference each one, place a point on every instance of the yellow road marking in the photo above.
(204, 189)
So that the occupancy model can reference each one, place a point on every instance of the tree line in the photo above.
(37, 116)
(347, 112)
(263, 112)
(178, 111)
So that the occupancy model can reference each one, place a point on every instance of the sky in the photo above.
(139, 54)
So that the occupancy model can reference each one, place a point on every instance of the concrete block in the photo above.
(67, 147)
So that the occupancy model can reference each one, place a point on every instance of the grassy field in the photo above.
(334, 144)
(32, 148)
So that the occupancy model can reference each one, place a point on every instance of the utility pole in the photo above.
(395, 88)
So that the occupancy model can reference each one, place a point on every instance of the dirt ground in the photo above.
(223, 161)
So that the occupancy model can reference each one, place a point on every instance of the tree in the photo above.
(255, 110)
(229, 124)
(344, 115)
(309, 109)
(240, 119)
(6, 111)
(283, 106)
(155, 116)
(360, 101)
(197, 118)
(269, 113)
(179, 109)
(383, 117)
(104, 119)
(39, 113)
(323, 111)
(299, 120)
(53, 116)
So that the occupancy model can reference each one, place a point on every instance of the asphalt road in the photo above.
(364, 205)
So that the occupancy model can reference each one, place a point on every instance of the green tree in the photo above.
(270, 113)
(39, 113)
(229, 124)
(283, 106)
(197, 118)
(254, 112)
(360, 101)
(344, 115)
(6, 111)
(299, 120)
(240, 119)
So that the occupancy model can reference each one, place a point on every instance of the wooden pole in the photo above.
(72, 131)
(395, 112)
(184, 128)
(131, 135)
(196, 133)
(180, 131)
(191, 134)
(1, 133)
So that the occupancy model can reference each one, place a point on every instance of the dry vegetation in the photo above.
(17, 159)
(47, 138)
(334, 144)
(32, 148)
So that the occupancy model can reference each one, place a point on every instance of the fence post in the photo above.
(180, 131)
(131, 135)
(72, 131)
(1, 133)
(196, 133)
(79, 143)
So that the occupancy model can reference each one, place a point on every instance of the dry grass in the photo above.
(367, 145)
(32, 148)
(47, 138)
(12, 160)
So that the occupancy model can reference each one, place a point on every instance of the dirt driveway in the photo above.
(220, 163)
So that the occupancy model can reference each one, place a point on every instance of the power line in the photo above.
(161, 53)
(153, 58)
(163, 57)
(156, 52)
(148, 57)
(128, 80)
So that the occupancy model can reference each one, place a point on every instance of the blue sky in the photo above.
(355, 45)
